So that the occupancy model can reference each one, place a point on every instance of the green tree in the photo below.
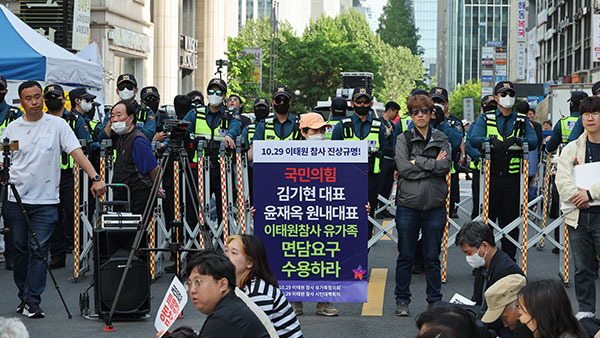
(397, 27)
(470, 89)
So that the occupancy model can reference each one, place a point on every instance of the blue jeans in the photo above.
(585, 243)
(29, 268)
(408, 223)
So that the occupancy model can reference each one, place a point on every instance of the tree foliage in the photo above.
(397, 27)
(470, 89)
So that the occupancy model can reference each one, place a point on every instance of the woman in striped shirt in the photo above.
(254, 276)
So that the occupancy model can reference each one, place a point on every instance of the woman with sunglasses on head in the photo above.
(254, 276)
(546, 311)
(422, 158)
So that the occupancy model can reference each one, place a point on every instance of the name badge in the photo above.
(139, 124)
(222, 132)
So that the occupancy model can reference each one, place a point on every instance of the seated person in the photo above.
(501, 300)
(450, 316)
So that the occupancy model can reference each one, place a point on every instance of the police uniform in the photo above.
(504, 189)
(353, 128)
(213, 127)
(561, 133)
(339, 107)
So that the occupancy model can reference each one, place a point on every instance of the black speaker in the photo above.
(111, 249)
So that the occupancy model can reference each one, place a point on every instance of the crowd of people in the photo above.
(237, 289)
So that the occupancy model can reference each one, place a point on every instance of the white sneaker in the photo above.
(582, 314)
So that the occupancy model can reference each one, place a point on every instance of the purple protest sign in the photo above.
(310, 199)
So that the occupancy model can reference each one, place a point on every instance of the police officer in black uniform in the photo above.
(388, 164)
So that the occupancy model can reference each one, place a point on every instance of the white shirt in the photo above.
(35, 167)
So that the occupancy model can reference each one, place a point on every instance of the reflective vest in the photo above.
(251, 131)
(329, 131)
(566, 127)
(271, 135)
(66, 160)
(514, 162)
(372, 137)
(404, 122)
(142, 115)
(10, 116)
(203, 130)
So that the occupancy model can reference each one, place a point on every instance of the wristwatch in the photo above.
(96, 178)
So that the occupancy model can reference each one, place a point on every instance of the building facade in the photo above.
(425, 18)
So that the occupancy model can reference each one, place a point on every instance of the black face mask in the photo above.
(54, 104)
(282, 108)
(362, 111)
(490, 107)
(153, 106)
(522, 331)
(2, 95)
(261, 113)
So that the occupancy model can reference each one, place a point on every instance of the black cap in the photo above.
(3, 84)
(219, 83)
(285, 91)
(338, 104)
(439, 93)
(81, 93)
(418, 91)
(54, 89)
(487, 100)
(149, 91)
(261, 101)
(126, 78)
(361, 91)
(239, 97)
(577, 96)
(503, 86)
(596, 88)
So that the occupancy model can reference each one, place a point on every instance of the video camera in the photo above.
(175, 130)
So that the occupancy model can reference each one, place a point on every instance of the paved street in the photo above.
(350, 323)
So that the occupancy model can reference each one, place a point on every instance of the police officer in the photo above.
(82, 105)
(7, 115)
(339, 107)
(561, 133)
(506, 131)
(197, 98)
(212, 124)
(62, 237)
(145, 116)
(488, 103)
(388, 164)
(578, 128)
(362, 125)
(150, 97)
(439, 96)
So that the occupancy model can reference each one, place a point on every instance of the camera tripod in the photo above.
(7, 147)
(176, 151)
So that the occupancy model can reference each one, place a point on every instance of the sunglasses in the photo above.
(416, 111)
(280, 100)
(509, 93)
(215, 92)
(363, 101)
(128, 86)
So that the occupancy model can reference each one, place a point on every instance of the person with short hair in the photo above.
(501, 300)
(451, 316)
(583, 219)
(211, 282)
(578, 127)
(255, 278)
(561, 133)
(422, 159)
(388, 164)
(546, 311)
(476, 241)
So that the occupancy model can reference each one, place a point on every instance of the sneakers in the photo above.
(580, 315)
(20, 307)
(402, 310)
(327, 309)
(33, 310)
(297, 306)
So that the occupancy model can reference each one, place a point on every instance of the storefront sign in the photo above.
(125, 38)
(521, 20)
(188, 52)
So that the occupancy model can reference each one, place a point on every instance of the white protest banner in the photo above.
(171, 306)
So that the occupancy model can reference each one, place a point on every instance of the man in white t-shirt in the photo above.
(35, 172)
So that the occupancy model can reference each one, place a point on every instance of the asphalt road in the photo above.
(351, 323)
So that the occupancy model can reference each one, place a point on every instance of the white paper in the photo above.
(171, 306)
(460, 299)
(585, 176)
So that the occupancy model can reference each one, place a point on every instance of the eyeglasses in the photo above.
(509, 93)
(215, 92)
(280, 100)
(416, 111)
(128, 86)
(364, 101)
(193, 284)
(590, 114)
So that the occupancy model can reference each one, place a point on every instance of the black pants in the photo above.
(63, 232)
(215, 188)
(475, 193)
(504, 206)
(454, 191)
(386, 177)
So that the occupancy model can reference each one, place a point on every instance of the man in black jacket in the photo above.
(211, 286)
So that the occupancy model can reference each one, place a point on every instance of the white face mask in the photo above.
(215, 100)
(316, 137)
(126, 94)
(86, 106)
(476, 261)
(507, 101)
(119, 127)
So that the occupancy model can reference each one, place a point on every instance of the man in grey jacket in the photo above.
(423, 163)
